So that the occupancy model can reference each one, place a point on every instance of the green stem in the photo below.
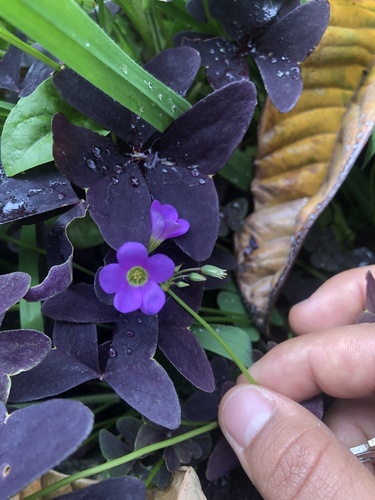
(14, 40)
(154, 471)
(217, 337)
(123, 460)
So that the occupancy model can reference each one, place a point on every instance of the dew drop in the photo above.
(173, 108)
(130, 333)
(202, 181)
(124, 69)
(164, 170)
(114, 180)
(129, 351)
(160, 97)
(33, 192)
(186, 156)
(112, 352)
(104, 169)
(118, 169)
(97, 152)
(6, 470)
(211, 51)
(134, 181)
(139, 320)
(273, 60)
(88, 44)
(216, 58)
(91, 164)
(195, 172)
(60, 197)
(178, 144)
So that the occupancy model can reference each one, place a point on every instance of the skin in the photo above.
(285, 450)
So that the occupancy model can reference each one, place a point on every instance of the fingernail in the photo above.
(244, 413)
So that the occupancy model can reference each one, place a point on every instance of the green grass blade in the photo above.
(30, 312)
(68, 33)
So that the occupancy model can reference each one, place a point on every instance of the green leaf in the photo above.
(236, 338)
(84, 233)
(238, 170)
(67, 32)
(229, 301)
(27, 134)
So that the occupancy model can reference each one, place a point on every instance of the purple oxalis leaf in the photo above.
(136, 376)
(60, 257)
(220, 57)
(10, 66)
(20, 350)
(79, 304)
(73, 361)
(35, 192)
(36, 438)
(126, 488)
(13, 287)
(117, 193)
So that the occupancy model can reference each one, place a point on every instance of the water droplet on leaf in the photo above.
(91, 164)
(129, 351)
(112, 352)
(130, 333)
(134, 181)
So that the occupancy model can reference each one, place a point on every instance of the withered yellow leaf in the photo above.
(304, 155)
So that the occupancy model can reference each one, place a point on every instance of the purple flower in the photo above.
(165, 224)
(134, 280)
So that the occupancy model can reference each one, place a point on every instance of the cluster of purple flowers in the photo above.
(135, 279)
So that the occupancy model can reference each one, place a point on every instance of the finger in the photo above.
(337, 302)
(339, 361)
(286, 451)
(352, 422)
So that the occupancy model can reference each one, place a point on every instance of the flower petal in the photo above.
(169, 212)
(128, 300)
(159, 268)
(153, 298)
(182, 229)
(132, 254)
(157, 221)
(112, 278)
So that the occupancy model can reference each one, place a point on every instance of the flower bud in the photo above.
(196, 277)
(182, 284)
(214, 271)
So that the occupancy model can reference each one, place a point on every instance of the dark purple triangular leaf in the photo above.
(36, 438)
(13, 286)
(287, 42)
(136, 376)
(59, 256)
(244, 19)
(190, 196)
(37, 73)
(111, 448)
(5, 385)
(175, 315)
(79, 304)
(126, 488)
(222, 460)
(10, 67)
(21, 350)
(314, 405)
(57, 373)
(128, 427)
(201, 406)
(205, 136)
(220, 57)
(118, 192)
(74, 361)
(78, 341)
(35, 192)
(183, 350)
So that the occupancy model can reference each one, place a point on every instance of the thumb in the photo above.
(286, 451)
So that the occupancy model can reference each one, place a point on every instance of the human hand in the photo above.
(285, 450)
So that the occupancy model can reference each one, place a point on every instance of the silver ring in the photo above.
(365, 452)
